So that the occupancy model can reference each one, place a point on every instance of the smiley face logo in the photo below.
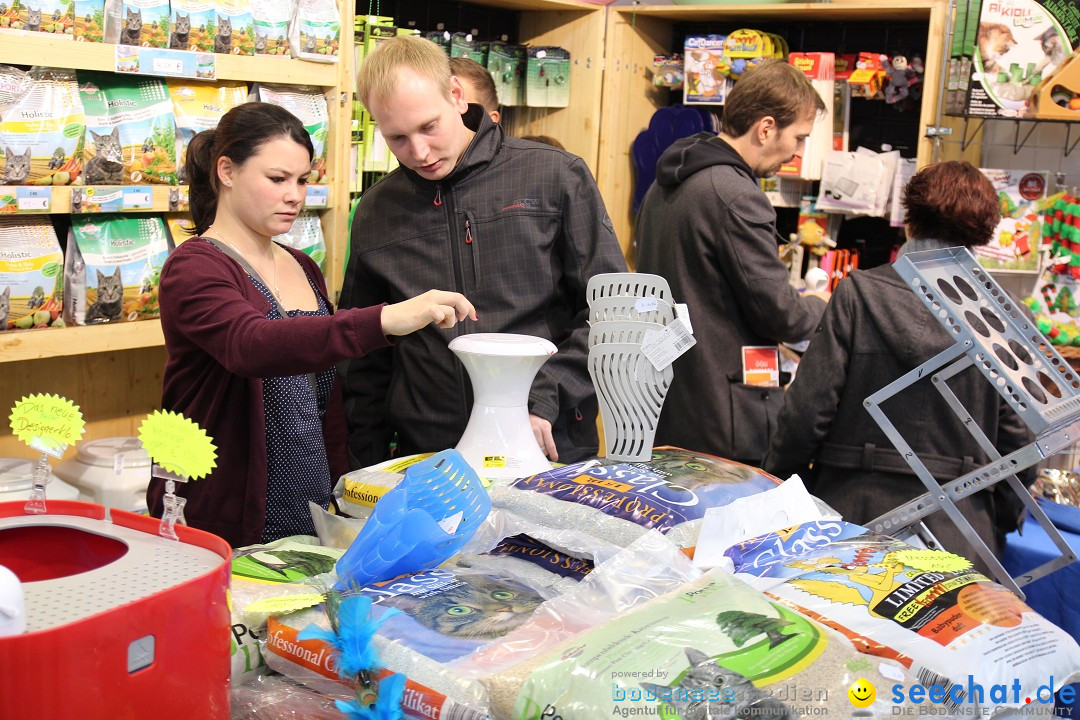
(862, 693)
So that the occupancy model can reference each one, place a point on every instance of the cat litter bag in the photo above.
(713, 648)
(113, 268)
(271, 19)
(308, 104)
(235, 28)
(198, 107)
(619, 501)
(306, 235)
(31, 277)
(192, 25)
(315, 32)
(927, 609)
(130, 131)
(458, 624)
(41, 133)
(265, 579)
(144, 23)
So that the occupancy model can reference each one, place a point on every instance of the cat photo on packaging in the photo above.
(316, 30)
(144, 23)
(235, 28)
(31, 276)
(41, 133)
(271, 18)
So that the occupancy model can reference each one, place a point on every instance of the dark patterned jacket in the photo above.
(518, 228)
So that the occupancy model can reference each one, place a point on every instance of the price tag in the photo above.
(33, 199)
(48, 423)
(930, 560)
(167, 66)
(318, 196)
(664, 347)
(165, 63)
(178, 445)
(138, 198)
(646, 304)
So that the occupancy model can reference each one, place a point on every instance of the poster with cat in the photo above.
(130, 130)
(271, 18)
(1017, 44)
(192, 25)
(112, 268)
(235, 28)
(31, 277)
(198, 107)
(41, 134)
(316, 31)
(89, 23)
(145, 23)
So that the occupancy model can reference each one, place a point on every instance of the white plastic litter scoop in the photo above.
(607, 285)
(621, 331)
(632, 309)
(499, 441)
(631, 393)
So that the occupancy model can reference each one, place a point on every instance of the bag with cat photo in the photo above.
(198, 107)
(192, 25)
(41, 133)
(235, 28)
(138, 23)
(31, 277)
(308, 104)
(113, 268)
(130, 130)
(316, 31)
(271, 18)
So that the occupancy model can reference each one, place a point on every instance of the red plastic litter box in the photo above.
(121, 622)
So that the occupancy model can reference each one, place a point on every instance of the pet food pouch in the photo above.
(927, 609)
(235, 28)
(192, 25)
(316, 31)
(198, 107)
(130, 130)
(619, 501)
(308, 104)
(271, 18)
(144, 23)
(306, 235)
(89, 20)
(112, 268)
(41, 134)
(31, 278)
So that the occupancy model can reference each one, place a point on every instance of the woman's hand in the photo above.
(443, 308)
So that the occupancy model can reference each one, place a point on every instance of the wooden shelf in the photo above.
(102, 56)
(539, 4)
(18, 345)
(60, 201)
(896, 10)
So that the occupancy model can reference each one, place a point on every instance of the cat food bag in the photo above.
(714, 648)
(198, 107)
(89, 22)
(130, 130)
(926, 609)
(619, 501)
(235, 28)
(144, 23)
(192, 25)
(55, 17)
(271, 18)
(31, 281)
(178, 225)
(41, 134)
(316, 31)
(306, 235)
(308, 104)
(113, 267)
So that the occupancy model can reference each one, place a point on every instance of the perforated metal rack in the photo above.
(995, 336)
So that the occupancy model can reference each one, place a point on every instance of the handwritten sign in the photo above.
(931, 560)
(48, 423)
(178, 444)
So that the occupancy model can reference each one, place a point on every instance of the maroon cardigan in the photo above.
(220, 345)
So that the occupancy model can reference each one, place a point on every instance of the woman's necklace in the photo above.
(275, 289)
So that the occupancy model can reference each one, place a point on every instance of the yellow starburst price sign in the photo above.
(931, 560)
(48, 423)
(178, 444)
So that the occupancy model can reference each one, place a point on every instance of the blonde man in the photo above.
(520, 224)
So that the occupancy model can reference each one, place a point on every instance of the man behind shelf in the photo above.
(707, 227)
(517, 225)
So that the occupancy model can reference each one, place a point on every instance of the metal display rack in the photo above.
(994, 335)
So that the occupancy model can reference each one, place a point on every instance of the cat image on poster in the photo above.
(5, 307)
(110, 299)
(223, 39)
(476, 608)
(181, 34)
(107, 165)
(994, 40)
(132, 32)
(706, 680)
(16, 167)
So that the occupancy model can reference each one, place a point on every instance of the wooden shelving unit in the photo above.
(60, 198)
(636, 34)
(17, 346)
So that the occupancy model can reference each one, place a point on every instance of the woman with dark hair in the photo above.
(252, 338)
(874, 330)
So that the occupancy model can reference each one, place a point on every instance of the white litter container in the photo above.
(113, 472)
(17, 478)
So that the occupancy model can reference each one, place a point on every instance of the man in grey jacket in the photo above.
(518, 226)
(707, 227)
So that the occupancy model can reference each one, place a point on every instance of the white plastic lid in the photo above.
(102, 453)
(16, 474)
(503, 345)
